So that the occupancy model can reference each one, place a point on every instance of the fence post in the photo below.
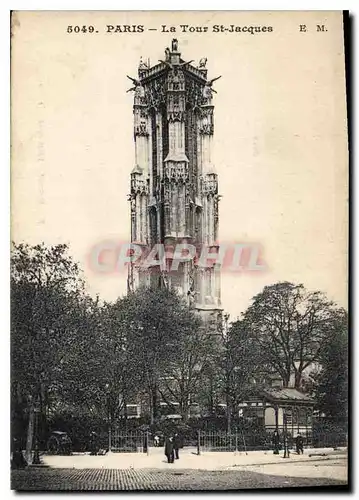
(198, 442)
(236, 441)
(147, 444)
(109, 438)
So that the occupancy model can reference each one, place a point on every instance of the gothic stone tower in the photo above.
(174, 186)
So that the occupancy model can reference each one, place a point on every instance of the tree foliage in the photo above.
(185, 372)
(289, 325)
(158, 325)
(332, 386)
(240, 365)
(44, 283)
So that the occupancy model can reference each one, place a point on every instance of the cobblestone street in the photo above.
(44, 479)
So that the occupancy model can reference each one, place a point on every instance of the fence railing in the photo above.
(129, 442)
(257, 440)
(329, 439)
(241, 440)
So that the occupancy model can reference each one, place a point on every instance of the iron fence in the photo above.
(130, 441)
(240, 440)
(263, 440)
(329, 439)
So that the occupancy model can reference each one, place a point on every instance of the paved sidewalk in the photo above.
(211, 461)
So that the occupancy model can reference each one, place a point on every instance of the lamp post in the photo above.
(276, 432)
(285, 437)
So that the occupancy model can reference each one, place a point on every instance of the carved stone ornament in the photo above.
(139, 92)
(142, 65)
(215, 208)
(138, 185)
(206, 124)
(210, 184)
(194, 94)
(207, 94)
(141, 129)
(174, 45)
(176, 172)
(156, 93)
(175, 116)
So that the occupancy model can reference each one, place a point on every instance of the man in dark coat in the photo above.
(94, 445)
(169, 450)
(299, 443)
(176, 445)
(276, 442)
(18, 461)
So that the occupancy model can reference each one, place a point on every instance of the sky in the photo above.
(280, 140)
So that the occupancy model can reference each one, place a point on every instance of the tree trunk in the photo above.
(298, 380)
(153, 404)
(125, 414)
(286, 380)
(184, 411)
(151, 409)
(228, 408)
(211, 398)
(30, 434)
(229, 414)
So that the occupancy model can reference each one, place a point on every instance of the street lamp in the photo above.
(285, 437)
(276, 432)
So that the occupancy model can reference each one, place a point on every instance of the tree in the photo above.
(42, 280)
(184, 373)
(239, 366)
(81, 378)
(289, 324)
(155, 321)
(210, 342)
(332, 387)
(120, 372)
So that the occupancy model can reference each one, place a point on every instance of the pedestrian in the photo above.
(156, 441)
(169, 449)
(275, 441)
(176, 445)
(94, 446)
(145, 442)
(299, 444)
(18, 461)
